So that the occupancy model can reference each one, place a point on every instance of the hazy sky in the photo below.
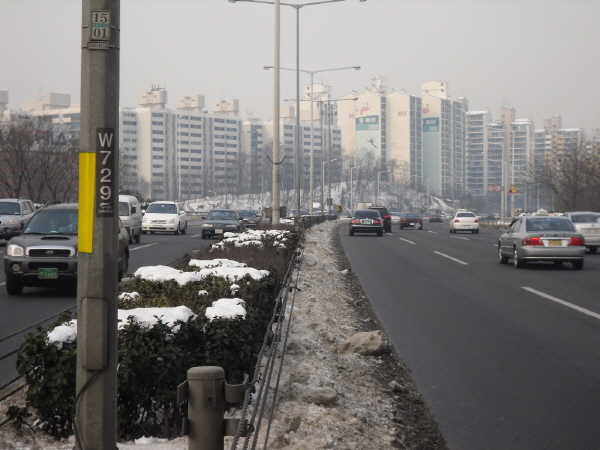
(539, 56)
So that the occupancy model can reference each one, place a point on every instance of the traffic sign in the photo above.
(513, 190)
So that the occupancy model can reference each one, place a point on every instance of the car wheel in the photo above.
(138, 238)
(144, 232)
(203, 236)
(501, 258)
(152, 232)
(13, 287)
(380, 233)
(131, 238)
(476, 231)
(472, 231)
(421, 228)
(593, 249)
(578, 265)
(517, 262)
(184, 231)
(351, 232)
(177, 231)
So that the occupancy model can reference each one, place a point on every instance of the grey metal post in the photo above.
(206, 407)
(96, 410)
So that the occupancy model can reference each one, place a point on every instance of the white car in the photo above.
(165, 216)
(464, 221)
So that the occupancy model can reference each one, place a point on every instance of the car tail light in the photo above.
(577, 242)
(532, 241)
(377, 221)
(388, 217)
(404, 220)
(356, 221)
(420, 220)
(476, 220)
(456, 220)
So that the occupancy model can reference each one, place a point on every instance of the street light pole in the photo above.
(323, 182)
(379, 173)
(433, 178)
(352, 187)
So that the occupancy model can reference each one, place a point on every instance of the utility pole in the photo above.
(96, 407)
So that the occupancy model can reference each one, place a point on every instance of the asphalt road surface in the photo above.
(506, 358)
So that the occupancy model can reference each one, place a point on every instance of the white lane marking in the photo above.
(460, 237)
(196, 235)
(143, 246)
(406, 240)
(562, 302)
(453, 259)
(434, 232)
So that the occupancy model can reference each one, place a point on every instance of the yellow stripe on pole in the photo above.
(87, 184)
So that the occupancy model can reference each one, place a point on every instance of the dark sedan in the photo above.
(412, 220)
(366, 221)
(541, 238)
(220, 221)
(435, 217)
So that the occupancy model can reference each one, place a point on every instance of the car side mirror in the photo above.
(502, 229)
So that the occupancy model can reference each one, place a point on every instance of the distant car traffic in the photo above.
(435, 217)
(411, 220)
(14, 213)
(219, 221)
(396, 217)
(541, 238)
(588, 224)
(366, 221)
(385, 215)
(165, 216)
(464, 221)
(45, 254)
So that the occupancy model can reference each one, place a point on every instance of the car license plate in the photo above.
(592, 231)
(219, 231)
(366, 221)
(48, 274)
(555, 242)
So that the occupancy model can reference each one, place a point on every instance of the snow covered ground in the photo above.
(371, 401)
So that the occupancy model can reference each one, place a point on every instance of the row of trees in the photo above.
(39, 161)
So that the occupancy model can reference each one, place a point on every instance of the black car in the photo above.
(412, 220)
(385, 215)
(366, 221)
(435, 217)
(45, 254)
(220, 221)
(249, 217)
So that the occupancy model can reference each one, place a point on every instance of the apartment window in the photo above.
(157, 114)
(158, 141)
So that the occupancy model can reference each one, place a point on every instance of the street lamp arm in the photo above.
(312, 72)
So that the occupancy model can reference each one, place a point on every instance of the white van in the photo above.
(130, 212)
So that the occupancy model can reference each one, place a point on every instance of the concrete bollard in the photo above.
(206, 407)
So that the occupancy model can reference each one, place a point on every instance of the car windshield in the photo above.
(367, 215)
(221, 215)
(549, 224)
(162, 208)
(63, 222)
(247, 214)
(9, 209)
(123, 208)
(585, 218)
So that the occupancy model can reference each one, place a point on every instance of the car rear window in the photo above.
(549, 224)
(465, 215)
(367, 215)
(585, 218)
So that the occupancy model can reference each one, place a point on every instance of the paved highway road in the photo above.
(506, 358)
(37, 304)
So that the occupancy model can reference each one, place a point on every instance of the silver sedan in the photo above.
(541, 238)
(588, 224)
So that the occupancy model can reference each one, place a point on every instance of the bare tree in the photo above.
(40, 161)
(572, 177)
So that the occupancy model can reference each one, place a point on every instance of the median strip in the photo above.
(453, 259)
(562, 302)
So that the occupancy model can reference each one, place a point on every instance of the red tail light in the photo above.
(456, 220)
(532, 241)
(420, 220)
(476, 220)
(377, 221)
(577, 242)
(356, 221)
(388, 217)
